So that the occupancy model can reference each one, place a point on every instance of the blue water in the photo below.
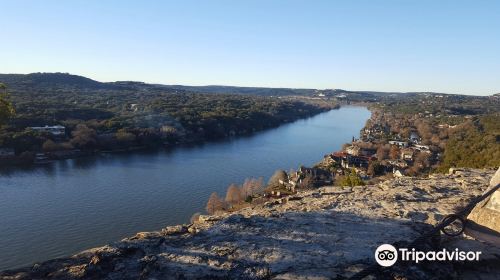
(68, 206)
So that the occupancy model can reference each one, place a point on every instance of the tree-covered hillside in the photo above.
(474, 143)
(124, 114)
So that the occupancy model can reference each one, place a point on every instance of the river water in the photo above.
(59, 209)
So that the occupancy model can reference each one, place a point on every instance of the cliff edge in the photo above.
(322, 234)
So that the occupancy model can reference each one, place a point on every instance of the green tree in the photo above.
(6, 108)
(351, 179)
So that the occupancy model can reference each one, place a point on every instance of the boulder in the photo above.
(483, 223)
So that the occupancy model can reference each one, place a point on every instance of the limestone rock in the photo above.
(484, 220)
(309, 236)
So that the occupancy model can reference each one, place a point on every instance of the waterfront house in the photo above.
(318, 177)
(56, 130)
(349, 161)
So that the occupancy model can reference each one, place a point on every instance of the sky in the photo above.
(385, 45)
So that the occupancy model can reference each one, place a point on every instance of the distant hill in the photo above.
(52, 80)
(65, 80)
(244, 90)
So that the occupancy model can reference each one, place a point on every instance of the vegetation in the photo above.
(351, 179)
(460, 131)
(6, 109)
(236, 196)
(214, 204)
(475, 143)
(195, 217)
(110, 116)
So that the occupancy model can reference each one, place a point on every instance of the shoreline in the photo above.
(19, 161)
(315, 158)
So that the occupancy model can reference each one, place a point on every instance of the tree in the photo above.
(382, 152)
(422, 160)
(49, 146)
(394, 152)
(251, 186)
(83, 136)
(6, 109)
(214, 204)
(375, 168)
(233, 195)
(307, 182)
(122, 136)
(246, 188)
(195, 217)
(278, 175)
(351, 179)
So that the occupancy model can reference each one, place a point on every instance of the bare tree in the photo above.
(246, 188)
(214, 204)
(394, 153)
(422, 160)
(251, 186)
(258, 185)
(83, 136)
(195, 217)
(383, 152)
(233, 194)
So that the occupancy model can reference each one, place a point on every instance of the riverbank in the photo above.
(86, 202)
(316, 234)
(52, 152)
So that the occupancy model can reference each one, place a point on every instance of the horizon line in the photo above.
(248, 86)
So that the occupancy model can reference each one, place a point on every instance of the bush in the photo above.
(351, 179)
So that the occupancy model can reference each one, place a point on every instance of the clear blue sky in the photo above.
(420, 45)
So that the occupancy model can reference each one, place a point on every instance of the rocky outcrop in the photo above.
(321, 234)
(484, 220)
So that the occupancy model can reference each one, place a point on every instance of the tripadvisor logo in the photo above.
(387, 255)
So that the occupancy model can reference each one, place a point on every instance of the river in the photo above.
(61, 208)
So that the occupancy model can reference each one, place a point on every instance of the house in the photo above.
(398, 163)
(401, 144)
(275, 194)
(349, 161)
(422, 148)
(353, 150)
(318, 177)
(56, 130)
(357, 151)
(315, 172)
(414, 138)
(134, 107)
(407, 154)
(368, 152)
(289, 185)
